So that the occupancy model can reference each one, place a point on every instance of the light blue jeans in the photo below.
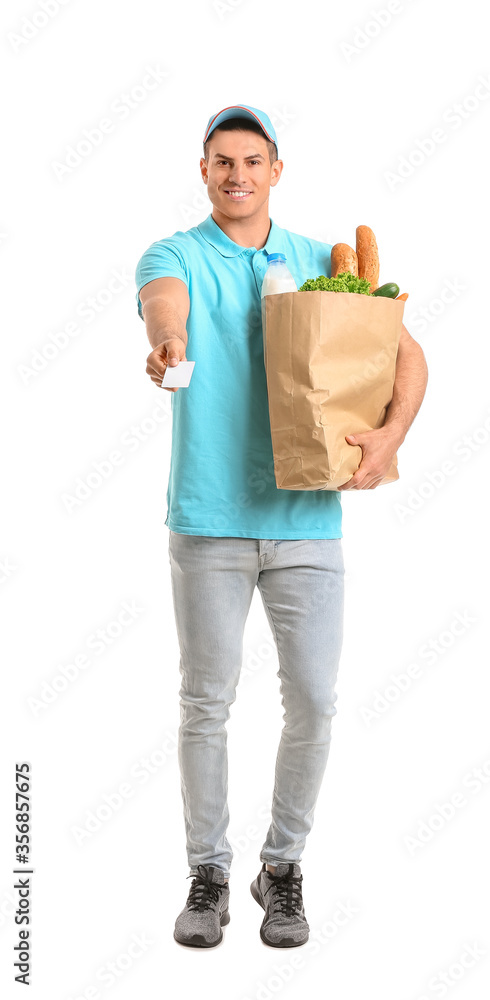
(302, 587)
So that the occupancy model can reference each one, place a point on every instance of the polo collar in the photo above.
(218, 239)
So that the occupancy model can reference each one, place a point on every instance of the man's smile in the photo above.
(237, 194)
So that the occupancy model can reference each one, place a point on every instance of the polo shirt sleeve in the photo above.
(162, 260)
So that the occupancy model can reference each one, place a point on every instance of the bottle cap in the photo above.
(275, 256)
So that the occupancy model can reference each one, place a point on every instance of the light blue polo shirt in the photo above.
(221, 479)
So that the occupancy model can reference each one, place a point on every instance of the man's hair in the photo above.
(242, 125)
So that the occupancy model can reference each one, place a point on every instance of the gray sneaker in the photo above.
(206, 911)
(280, 895)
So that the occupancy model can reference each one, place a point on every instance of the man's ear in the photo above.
(204, 169)
(276, 172)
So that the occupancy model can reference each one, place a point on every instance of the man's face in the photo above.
(239, 162)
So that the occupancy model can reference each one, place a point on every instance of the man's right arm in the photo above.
(165, 305)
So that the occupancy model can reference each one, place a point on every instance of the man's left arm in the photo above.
(380, 446)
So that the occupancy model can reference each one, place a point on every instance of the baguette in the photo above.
(343, 258)
(367, 256)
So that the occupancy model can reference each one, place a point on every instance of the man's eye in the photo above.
(219, 162)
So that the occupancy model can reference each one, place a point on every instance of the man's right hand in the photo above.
(170, 352)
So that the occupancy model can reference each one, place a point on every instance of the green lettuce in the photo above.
(344, 282)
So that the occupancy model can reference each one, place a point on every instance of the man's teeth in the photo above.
(238, 194)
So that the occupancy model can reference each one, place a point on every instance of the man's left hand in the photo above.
(378, 450)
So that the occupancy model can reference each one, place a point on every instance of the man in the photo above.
(231, 529)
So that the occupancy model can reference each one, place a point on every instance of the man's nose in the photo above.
(237, 176)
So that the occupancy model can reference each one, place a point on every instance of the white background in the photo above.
(416, 553)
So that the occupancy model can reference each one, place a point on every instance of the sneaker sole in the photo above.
(284, 942)
(198, 941)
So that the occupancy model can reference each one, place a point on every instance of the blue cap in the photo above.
(243, 111)
(275, 256)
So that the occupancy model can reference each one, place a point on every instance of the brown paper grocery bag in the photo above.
(330, 360)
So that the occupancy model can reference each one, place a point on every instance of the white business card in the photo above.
(178, 375)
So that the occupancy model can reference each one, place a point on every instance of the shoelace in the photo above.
(203, 893)
(287, 891)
